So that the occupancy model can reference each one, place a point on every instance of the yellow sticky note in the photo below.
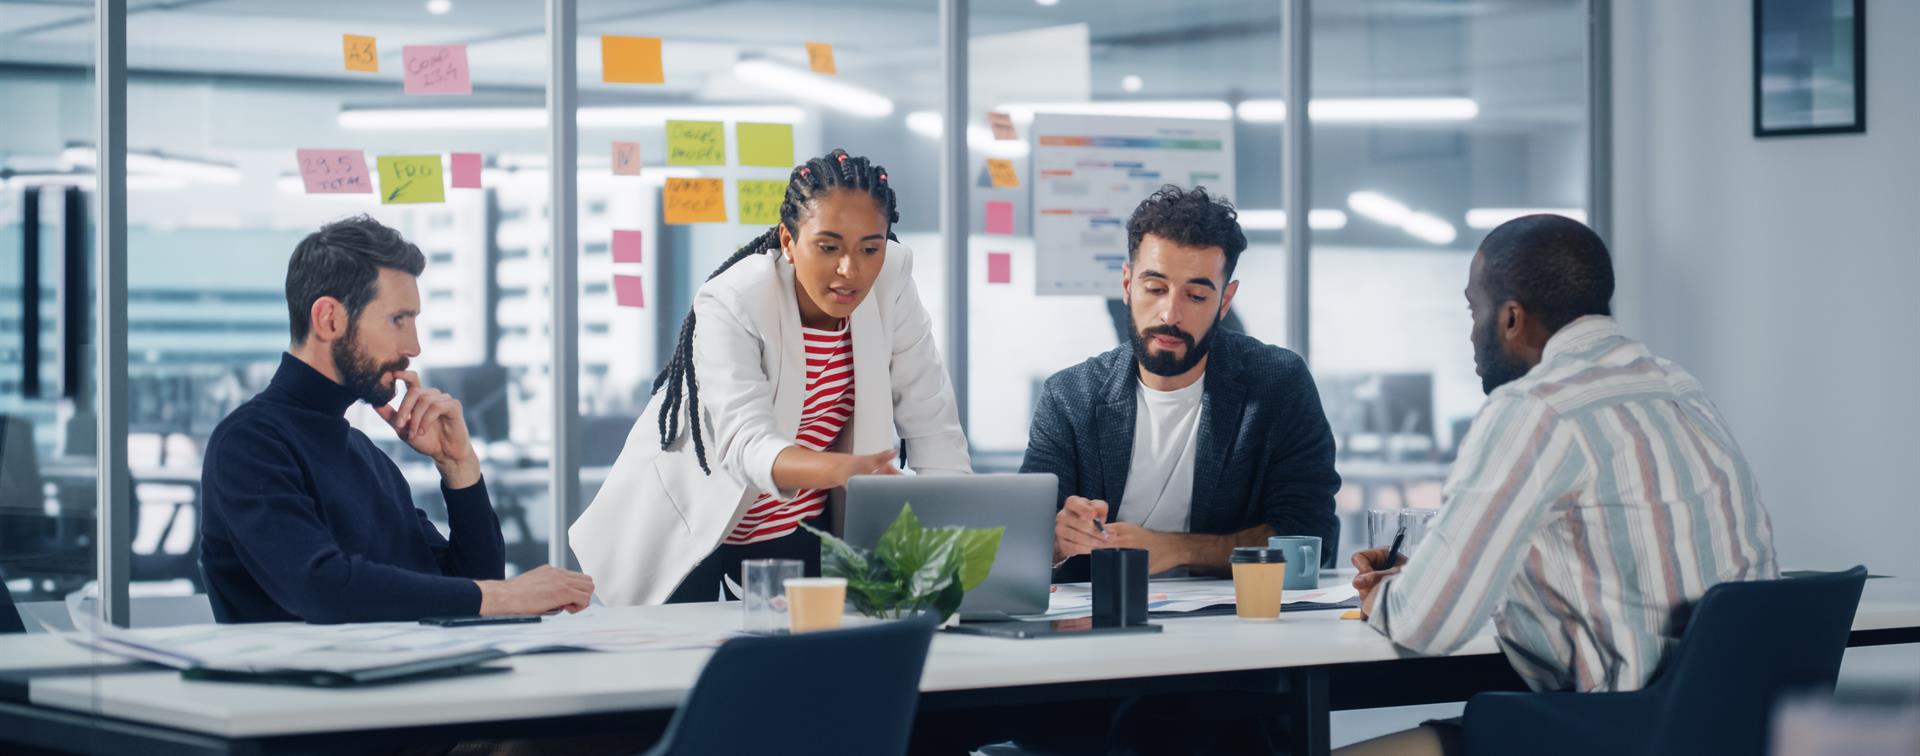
(1001, 172)
(362, 54)
(820, 57)
(630, 60)
(696, 143)
(696, 200)
(760, 201)
(768, 144)
(411, 179)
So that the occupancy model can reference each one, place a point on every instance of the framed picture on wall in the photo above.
(1809, 67)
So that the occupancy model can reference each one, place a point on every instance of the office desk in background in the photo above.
(1321, 662)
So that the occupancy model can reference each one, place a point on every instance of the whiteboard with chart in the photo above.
(1090, 172)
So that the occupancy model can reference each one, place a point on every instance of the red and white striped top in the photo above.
(827, 409)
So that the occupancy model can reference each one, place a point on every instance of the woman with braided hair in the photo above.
(806, 358)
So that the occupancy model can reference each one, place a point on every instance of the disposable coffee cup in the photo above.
(1259, 577)
(816, 603)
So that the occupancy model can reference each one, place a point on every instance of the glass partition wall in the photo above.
(1430, 123)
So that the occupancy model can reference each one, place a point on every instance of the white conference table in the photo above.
(1294, 655)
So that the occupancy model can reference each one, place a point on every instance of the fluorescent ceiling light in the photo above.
(928, 123)
(1366, 110)
(827, 91)
(1131, 83)
(1378, 207)
(1430, 229)
(439, 7)
(1214, 110)
(1490, 217)
(508, 119)
(181, 169)
(1392, 212)
(1276, 220)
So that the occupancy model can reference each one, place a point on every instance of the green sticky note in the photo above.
(760, 201)
(768, 144)
(410, 179)
(696, 143)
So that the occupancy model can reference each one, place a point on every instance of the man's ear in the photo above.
(1513, 321)
(1226, 298)
(326, 319)
(1126, 283)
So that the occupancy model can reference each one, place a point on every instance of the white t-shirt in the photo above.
(1166, 429)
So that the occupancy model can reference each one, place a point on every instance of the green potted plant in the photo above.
(913, 569)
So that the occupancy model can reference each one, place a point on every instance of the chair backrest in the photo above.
(1746, 644)
(836, 692)
(9, 616)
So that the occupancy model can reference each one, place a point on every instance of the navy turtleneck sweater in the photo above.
(305, 519)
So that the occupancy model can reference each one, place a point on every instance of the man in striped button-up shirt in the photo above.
(1598, 489)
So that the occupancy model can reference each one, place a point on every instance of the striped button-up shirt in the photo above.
(1591, 498)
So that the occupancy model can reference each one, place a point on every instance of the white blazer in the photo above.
(657, 516)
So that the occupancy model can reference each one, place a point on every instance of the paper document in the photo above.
(345, 648)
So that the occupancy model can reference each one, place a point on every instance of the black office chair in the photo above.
(827, 693)
(9, 615)
(1745, 645)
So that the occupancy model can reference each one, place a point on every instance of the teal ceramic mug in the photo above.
(1303, 560)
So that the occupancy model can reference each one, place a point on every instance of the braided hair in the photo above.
(809, 182)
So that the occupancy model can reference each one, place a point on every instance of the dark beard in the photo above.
(1497, 368)
(360, 376)
(1164, 363)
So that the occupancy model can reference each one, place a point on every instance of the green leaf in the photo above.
(978, 548)
(940, 566)
(898, 547)
(948, 600)
(839, 558)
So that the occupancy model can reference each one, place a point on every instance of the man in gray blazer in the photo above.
(1189, 439)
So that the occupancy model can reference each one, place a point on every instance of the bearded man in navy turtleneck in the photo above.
(305, 519)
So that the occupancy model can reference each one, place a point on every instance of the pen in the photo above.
(1393, 553)
(1101, 526)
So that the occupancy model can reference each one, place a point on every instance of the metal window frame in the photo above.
(114, 514)
(563, 217)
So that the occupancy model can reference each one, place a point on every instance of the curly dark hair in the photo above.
(1190, 218)
(1552, 265)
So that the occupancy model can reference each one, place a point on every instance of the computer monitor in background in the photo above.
(482, 391)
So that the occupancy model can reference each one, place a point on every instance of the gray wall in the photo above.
(1781, 272)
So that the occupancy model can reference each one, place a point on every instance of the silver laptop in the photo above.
(1023, 504)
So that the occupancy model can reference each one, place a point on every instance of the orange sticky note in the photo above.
(696, 200)
(630, 60)
(362, 54)
(1002, 125)
(1351, 614)
(1001, 172)
(820, 57)
(626, 158)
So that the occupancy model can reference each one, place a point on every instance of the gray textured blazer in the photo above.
(1265, 451)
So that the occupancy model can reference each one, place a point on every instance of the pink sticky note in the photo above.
(999, 267)
(628, 291)
(334, 171)
(1000, 217)
(436, 69)
(626, 246)
(466, 170)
